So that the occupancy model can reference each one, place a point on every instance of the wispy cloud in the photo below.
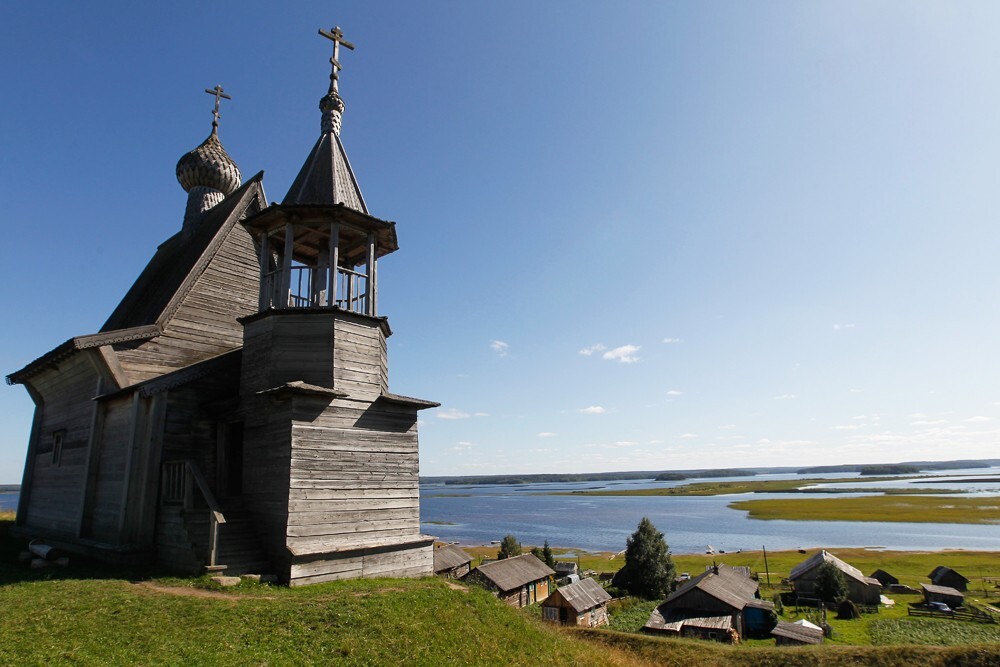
(688, 436)
(671, 340)
(675, 392)
(499, 347)
(480, 414)
(727, 426)
(596, 347)
(462, 446)
(624, 354)
(841, 327)
(977, 419)
(546, 434)
(593, 410)
(785, 397)
(452, 413)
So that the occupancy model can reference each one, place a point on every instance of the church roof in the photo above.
(175, 266)
(327, 177)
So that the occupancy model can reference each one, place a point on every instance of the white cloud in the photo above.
(546, 434)
(596, 347)
(841, 327)
(728, 426)
(688, 436)
(624, 354)
(977, 419)
(847, 427)
(593, 410)
(929, 422)
(671, 340)
(452, 413)
(462, 446)
(675, 392)
(499, 347)
(481, 414)
(785, 397)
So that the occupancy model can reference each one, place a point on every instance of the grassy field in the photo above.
(724, 488)
(89, 614)
(917, 509)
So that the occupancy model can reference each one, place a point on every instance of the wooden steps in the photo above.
(239, 546)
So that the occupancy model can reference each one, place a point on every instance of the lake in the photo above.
(476, 515)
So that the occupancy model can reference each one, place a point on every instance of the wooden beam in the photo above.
(370, 270)
(286, 266)
(334, 261)
(266, 283)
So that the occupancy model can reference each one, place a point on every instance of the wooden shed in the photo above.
(796, 634)
(951, 597)
(707, 606)
(861, 589)
(584, 603)
(884, 578)
(452, 562)
(233, 412)
(518, 581)
(945, 576)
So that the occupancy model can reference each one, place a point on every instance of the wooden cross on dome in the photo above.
(219, 95)
(337, 37)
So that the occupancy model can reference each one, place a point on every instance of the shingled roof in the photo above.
(824, 556)
(583, 595)
(449, 557)
(798, 633)
(511, 573)
(727, 584)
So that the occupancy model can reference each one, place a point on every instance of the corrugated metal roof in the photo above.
(511, 573)
(728, 586)
(449, 557)
(824, 556)
(584, 594)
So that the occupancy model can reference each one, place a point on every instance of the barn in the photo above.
(861, 589)
(584, 603)
(518, 581)
(451, 562)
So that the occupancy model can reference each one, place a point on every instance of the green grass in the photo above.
(915, 509)
(932, 631)
(630, 614)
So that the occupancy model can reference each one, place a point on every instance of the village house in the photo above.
(518, 581)
(451, 562)
(861, 589)
(583, 603)
(234, 413)
(713, 605)
(949, 596)
(945, 576)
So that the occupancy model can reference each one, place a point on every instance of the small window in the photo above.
(57, 445)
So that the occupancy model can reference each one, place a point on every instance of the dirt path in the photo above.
(184, 591)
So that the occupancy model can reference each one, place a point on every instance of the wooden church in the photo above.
(233, 413)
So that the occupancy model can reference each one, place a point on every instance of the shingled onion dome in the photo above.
(207, 174)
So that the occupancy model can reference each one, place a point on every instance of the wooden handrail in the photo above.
(215, 515)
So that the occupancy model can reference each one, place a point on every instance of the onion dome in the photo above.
(208, 166)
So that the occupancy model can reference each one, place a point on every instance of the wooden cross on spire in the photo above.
(219, 96)
(337, 37)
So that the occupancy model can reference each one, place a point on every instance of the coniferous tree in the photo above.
(546, 556)
(648, 570)
(509, 547)
(831, 587)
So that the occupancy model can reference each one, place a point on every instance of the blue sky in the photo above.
(639, 235)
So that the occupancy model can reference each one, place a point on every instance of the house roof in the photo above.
(511, 573)
(883, 576)
(942, 571)
(824, 556)
(449, 557)
(727, 585)
(942, 590)
(584, 594)
(673, 620)
(800, 633)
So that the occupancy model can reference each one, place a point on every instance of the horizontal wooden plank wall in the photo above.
(66, 392)
(354, 484)
(114, 442)
(205, 324)
(360, 358)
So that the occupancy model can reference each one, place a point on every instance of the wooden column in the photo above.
(370, 271)
(266, 286)
(286, 266)
(334, 261)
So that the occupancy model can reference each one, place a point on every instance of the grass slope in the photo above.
(914, 509)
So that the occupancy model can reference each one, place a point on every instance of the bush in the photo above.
(509, 547)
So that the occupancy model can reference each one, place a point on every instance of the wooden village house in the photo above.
(584, 603)
(518, 581)
(800, 633)
(884, 578)
(451, 562)
(946, 594)
(721, 604)
(234, 410)
(945, 576)
(860, 589)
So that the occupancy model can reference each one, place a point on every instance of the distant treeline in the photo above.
(543, 478)
(906, 468)
(9, 488)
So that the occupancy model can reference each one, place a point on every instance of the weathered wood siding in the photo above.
(109, 484)
(67, 407)
(360, 358)
(205, 324)
(288, 346)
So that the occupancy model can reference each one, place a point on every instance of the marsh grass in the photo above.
(914, 509)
